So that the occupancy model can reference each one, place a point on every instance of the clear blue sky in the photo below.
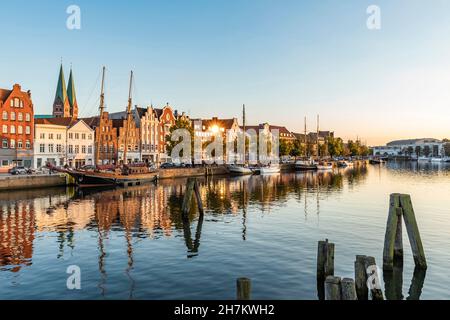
(284, 59)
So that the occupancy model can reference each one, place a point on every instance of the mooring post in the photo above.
(348, 289)
(243, 288)
(362, 292)
(333, 288)
(413, 231)
(188, 196)
(372, 274)
(391, 236)
(325, 259)
(198, 197)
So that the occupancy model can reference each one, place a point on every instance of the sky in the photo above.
(283, 59)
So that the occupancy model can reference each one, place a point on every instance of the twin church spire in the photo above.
(65, 104)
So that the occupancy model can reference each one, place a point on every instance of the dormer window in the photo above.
(16, 102)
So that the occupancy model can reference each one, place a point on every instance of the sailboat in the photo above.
(124, 175)
(236, 169)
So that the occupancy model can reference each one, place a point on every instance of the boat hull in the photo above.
(89, 180)
(240, 171)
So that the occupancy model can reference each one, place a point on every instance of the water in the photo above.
(132, 243)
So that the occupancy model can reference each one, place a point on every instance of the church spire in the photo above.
(61, 104)
(72, 97)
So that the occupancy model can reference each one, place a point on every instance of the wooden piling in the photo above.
(243, 289)
(413, 231)
(325, 259)
(198, 197)
(191, 188)
(362, 292)
(333, 288)
(375, 288)
(390, 237)
(348, 289)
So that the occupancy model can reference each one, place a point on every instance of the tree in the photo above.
(285, 147)
(410, 150)
(297, 149)
(418, 151)
(426, 151)
(447, 149)
(353, 148)
(180, 123)
(335, 146)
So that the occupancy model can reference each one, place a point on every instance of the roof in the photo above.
(61, 91)
(223, 123)
(412, 141)
(71, 91)
(92, 121)
(66, 122)
(43, 116)
(281, 129)
(118, 115)
(4, 94)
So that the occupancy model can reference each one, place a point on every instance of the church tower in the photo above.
(72, 97)
(61, 106)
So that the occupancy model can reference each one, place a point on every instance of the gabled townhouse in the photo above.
(63, 141)
(106, 150)
(166, 119)
(148, 124)
(16, 123)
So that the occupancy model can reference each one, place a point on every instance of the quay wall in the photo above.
(32, 182)
(191, 172)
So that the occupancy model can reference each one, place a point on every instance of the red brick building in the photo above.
(166, 118)
(16, 128)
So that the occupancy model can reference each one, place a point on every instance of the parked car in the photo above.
(167, 165)
(19, 170)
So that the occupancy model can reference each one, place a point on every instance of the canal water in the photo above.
(132, 243)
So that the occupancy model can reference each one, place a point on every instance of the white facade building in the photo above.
(80, 145)
(49, 144)
(425, 147)
(63, 141)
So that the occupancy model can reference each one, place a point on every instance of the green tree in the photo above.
(285, 147)
(335, 146)
(410, 150)
(418, 151)
(447, 149)
(426, 151)
(297, 149)
(179, 124)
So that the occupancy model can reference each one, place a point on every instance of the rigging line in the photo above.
(91, 93)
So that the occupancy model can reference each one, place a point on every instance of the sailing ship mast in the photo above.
(317, 138)
(306, 141)
(243, 123)
(101, 108)
(129, 116)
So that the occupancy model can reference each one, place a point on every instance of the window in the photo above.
(5, 163)
(27, 144)
(50, 147)
(12, 144)
(16, 102)
(50, 136)
(5, 128)
(83, 136)
(12, 129)
(61, 162)
(90, 149)
(90, 136)
(58, 136)
(70, 135)
(21, 103)
(4, 143)
(13, 115)
(42, 136)
(27, 130)
(19, 144)
(70, 148)
(11, 103)
(27, 117)
(58, 148)
(42, 148)
(5, 115)
(83, 149)
(19, 129)
(136, 148)
(20, 116)
(77, 149)
(77, 136)
(39, 162)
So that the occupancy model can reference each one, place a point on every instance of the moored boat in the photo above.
(302, 165)
(270, 169)
(239, 170)
(324, 166)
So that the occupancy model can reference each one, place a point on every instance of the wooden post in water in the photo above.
(401, 206)
(243, 288)
(362, 291)
(191, 187)
(375, 287)
(333, 288)
(325, 259)
(348, 290)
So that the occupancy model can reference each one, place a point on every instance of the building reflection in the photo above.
(151, 211)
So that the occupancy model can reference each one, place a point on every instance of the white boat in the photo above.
(270, 169)
(239, 170)
(423, 159)
(324, 166)
(436, 159)
(305, 165)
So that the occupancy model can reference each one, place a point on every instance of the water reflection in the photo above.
(149, 211)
